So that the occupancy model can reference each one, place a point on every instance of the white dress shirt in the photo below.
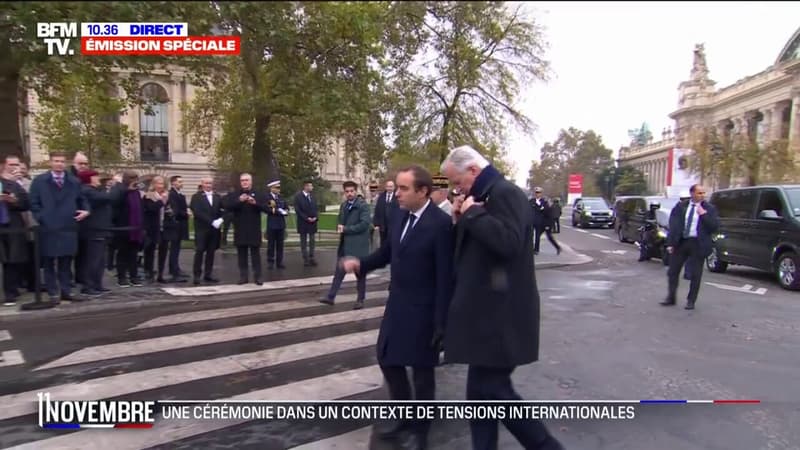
(695, 219)
(418, 214)
(210, 197)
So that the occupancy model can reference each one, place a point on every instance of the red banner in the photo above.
(575, 183)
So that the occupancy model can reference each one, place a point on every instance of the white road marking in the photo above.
(160, 344)
(20, 404)
(601, 236)
(356, 439)
(11, 358)
(239, 311)
(5, 335)
(557, 297)
(747, 288)
(580, 231)
(615, 252)
(329, 387)
(251, 287)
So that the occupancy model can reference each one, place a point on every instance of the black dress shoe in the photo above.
(281, 266)
(259, 282)
(326, 301)
(196, 282)
(689, 305)
(210, 280)
(668, 302)
(359, 304)
(73, 298)
(313, 263)
(177, 279)
(242, 281)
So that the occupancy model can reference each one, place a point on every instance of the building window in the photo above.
(154, 124)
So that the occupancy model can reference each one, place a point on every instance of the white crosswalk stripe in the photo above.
(11, 357)
(331, 357)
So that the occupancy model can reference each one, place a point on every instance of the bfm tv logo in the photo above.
(57, 36)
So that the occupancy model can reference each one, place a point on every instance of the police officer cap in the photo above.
(274, 183)
(440, 182)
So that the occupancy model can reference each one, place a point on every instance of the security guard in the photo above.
(440, 193)
(276, 225)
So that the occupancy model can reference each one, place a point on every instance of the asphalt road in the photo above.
(604, 336)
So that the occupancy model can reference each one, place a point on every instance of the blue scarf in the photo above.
(482, 182)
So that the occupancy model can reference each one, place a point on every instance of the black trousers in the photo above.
(537, 237)
(127, 260)
(491, 383)
(384, 234)
(275, 240)
(338, 277)
(58, 275)
(110, 256)
(174, 257)
(150, 253)
(79, 260)
(255, 260)
(307, 243)
(686, 254)
(204, 253)
(400, 388)
(11, 277)
(557, 225)
(94, 264)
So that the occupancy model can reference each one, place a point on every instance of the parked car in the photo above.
(759, 228)
(591, 212)
(632, 211)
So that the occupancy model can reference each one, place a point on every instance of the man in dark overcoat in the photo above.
(277, 210)
(246, 206)
(493, 321)
(692, 223)
(58, 205)
(176, 230)
(206, 207)
(95, 230)
(305, 205)
(14, 249)
(353, 227)
(385, 206)
(420, 251)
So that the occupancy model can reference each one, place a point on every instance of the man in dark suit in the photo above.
(305, 205)
(384, 208)
(420, 251)
(246, 206)
(277, 210)
(206, 207)
(14, 248)
(353, 229)
(691, 224)
(57, 204)
(493, 321)
(180, 214)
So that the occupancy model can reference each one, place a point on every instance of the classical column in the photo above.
(794, 121)
(174, 120)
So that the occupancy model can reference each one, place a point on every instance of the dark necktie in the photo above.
(411, 219)
(689, 222)
(59, 182)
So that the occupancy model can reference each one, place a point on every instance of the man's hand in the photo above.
(244, 198)
(701, 210)
(470, 201)
(437, 343)
(8, 198)
(340, 229)
(457, 202)
(350, 264)
(81, 214)
(670, 250)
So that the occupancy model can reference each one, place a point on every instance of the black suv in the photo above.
(591, 212)
(760, 228)
(632, 211)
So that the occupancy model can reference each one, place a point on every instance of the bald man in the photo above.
(206, 207)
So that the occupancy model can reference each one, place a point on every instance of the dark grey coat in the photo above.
(14, 247)
(354, 241)
(55, 208)
(494, 314)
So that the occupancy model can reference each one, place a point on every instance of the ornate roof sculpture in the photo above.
(792, 49)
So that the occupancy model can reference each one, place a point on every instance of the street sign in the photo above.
(747, 288)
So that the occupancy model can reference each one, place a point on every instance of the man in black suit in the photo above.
(691, 224)
(246, 206)
(277, 210)
(305, 205)
(493, 321)
(420, 251)
(206, 207)
(180, 211)
(384, 208)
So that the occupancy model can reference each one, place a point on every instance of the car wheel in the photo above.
(714, 264)
(621, 235)
(787, 270)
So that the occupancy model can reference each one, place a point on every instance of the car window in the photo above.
(794, 200)
(595, 204)
(736, 204)
(770, 199)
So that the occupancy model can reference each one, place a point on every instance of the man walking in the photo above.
(691, 224)
(353, 229)
(305, 205)
(206, 207)
(58, 204)
(276, 225)
(384, 208)
(420, 251)
(493, 321)
(542, 221)
(246, 206)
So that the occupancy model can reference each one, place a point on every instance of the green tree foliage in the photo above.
(24, 63)
(302, 81)
(470, 60)
(616, 181)
(81, 116)
(574, 151)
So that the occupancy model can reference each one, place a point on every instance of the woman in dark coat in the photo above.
(155, 217)
(129, 215)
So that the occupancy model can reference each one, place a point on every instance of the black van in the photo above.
(760, 228)
(632, 212)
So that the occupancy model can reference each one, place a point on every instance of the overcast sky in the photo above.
(617, 64)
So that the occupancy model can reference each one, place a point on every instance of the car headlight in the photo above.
(662, 233)
(587, 213)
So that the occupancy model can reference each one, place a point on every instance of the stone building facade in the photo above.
(161, 147)
(764, 107)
